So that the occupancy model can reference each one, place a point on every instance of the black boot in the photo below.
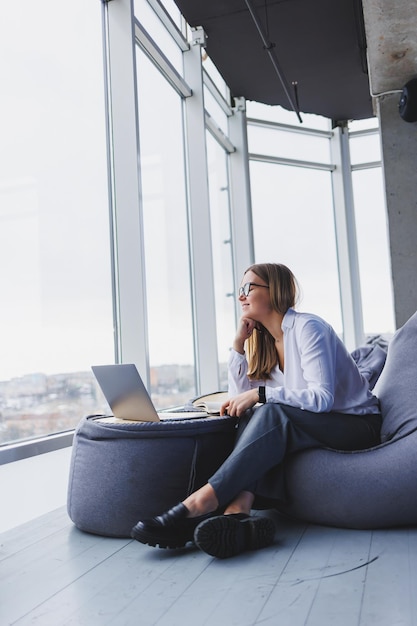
(224, 536)
(172, 529)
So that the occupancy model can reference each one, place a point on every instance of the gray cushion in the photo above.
(372, 488)
(397, 386)
(370, 360)
(124, 472)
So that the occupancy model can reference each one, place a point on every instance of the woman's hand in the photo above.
(239, 404)
(243, 332)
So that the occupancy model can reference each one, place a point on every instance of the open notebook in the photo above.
(128, 398)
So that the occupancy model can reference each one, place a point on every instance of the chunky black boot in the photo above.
(172, 529)
(224, 536)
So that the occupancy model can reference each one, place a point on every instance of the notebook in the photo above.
(128, 398)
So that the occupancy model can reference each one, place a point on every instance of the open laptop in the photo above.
(128, 398)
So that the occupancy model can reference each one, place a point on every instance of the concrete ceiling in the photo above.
(319, 46)
(391, 37)
(337, 52)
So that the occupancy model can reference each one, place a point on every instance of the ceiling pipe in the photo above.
(269, 47)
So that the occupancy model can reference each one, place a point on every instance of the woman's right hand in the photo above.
(243, 332)
(235, 407)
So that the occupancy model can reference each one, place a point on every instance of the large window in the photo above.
(293, 206)
(293, 211)
(222, 256)
(167, 250)
(56, 318)
(371, 228)
(293, 224)
(56, 312)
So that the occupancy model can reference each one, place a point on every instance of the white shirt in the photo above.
(319, 373)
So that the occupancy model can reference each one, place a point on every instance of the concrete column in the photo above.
(399, 154)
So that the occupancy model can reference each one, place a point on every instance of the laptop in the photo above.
(128, 398)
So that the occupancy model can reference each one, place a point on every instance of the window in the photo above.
(56, 314)
(222, 257)
(293, 206)
(293, 224)
(371, 228)
(168, 281)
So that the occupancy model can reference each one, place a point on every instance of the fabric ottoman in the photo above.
(125, 471)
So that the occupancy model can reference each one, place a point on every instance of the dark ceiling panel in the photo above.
(320, 44)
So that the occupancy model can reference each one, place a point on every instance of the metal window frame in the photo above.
(299, 130)
(218, 134)
(217, 95)
(243, 252)
(313, 165)
(155, 54)
(27, 448)
(169, 24)
(126, 201)
(346, 243)
(202, 275)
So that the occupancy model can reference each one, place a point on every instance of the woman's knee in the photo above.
(264, 418)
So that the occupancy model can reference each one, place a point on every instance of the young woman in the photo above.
(293, 385)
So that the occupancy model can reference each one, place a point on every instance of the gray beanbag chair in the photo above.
(374, 488)
(124, 472)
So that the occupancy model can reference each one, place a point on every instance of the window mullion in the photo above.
(123, 149)
(347, 251)
(205, 336)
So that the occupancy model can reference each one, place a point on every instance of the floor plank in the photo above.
(52, 574)
(391, 586)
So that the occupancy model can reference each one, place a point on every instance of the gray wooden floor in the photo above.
(53, 574)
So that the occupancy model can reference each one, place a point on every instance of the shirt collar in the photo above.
(288, 320)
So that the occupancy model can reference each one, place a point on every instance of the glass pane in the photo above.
(365, 149)
(215, 111)
(293, 224)
(373, 250)
(214, 74)
(157, 31)
(56, 314)
(288, 144)
(357, 125)
(173, 11)
(170, 323)
(279, 114)
(222, 253)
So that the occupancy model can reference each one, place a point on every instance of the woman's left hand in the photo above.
(239, 404)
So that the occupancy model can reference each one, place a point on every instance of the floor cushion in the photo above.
(396, 388)
(372, 488)
(125, 471)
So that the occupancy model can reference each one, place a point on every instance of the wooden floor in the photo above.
(53, 574)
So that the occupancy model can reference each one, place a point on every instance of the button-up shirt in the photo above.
(319, 374)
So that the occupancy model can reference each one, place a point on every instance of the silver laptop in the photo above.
(128, 398)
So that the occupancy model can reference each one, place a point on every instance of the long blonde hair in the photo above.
(283, 292)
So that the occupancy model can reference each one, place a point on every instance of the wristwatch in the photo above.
(261, 394)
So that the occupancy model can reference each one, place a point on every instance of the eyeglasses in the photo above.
(245, 289)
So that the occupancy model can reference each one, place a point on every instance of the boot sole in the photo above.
(225, 536)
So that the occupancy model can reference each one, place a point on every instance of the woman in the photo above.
(310, 394)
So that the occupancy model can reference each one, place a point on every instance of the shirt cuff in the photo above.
(236, 356)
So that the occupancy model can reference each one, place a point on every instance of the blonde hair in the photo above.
(283, 292)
